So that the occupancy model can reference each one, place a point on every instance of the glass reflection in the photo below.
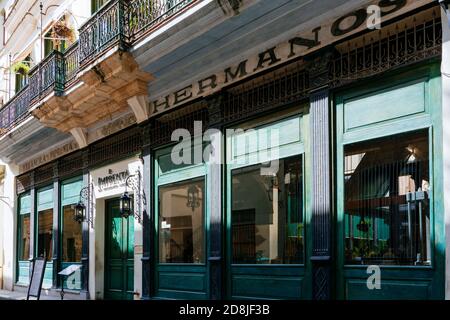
(72, 240)
(387, 211)
(181, 222)
(24, 237)
(45, 234)
(267, 214)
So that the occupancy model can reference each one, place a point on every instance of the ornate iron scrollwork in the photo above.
(87, 201)
(134, 182)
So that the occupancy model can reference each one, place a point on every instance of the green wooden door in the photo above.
(389, 188)
(119, 254)
(268, 213)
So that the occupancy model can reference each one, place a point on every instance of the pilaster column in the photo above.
(85, 231)
(32, 223)
(148, 234)
(215, 182)
(321, 178)
(56, 226)
(445, 69)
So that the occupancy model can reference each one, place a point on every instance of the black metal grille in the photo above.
(119, 146)
(124, 144)
(23, 182)
(161, 129)
(144, 15)
(70, 165)
(71, 64)
(266, 92)
(291, 84)
(43, 175)
(404, 46)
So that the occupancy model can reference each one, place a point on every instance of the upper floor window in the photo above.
(21, 70)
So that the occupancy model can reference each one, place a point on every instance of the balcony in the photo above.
(116, 27)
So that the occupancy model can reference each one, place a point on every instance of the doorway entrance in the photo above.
(119, 253)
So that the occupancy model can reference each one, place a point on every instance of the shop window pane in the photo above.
(45, 234)
(387, 212)
(24, 237)
(72, 240)
(267, 214)
(181, 223)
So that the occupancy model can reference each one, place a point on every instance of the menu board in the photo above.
(37, 276)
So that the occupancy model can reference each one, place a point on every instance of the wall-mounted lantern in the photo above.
(82, 208)
(126, 206)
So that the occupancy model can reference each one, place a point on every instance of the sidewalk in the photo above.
(12, 295)
(45, 295)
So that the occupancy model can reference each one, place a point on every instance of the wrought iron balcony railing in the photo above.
(120, 23)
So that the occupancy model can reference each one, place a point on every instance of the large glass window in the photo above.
(71, 236)
(45, 234)
(181, 222)
(24, 237)
(387, 212)
(267, 214)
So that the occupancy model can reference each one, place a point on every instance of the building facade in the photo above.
(266, 149)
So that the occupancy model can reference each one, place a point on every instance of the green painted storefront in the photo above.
(404, 105)
(329, 181)
(59, 243)
(398, 112)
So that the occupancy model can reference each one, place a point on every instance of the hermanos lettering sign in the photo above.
(303, 43)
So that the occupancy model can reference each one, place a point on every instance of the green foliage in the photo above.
(21, 67)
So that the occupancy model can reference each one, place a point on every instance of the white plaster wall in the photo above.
(8, 226)
(446, 129)
(97, 235)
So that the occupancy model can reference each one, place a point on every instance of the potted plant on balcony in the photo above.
(21, 67)
(62, 31)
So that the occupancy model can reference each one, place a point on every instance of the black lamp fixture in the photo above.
(79, 212)
(82, 212)
(445, 4)
(126, 205)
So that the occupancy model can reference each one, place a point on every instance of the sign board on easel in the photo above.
(66, 273)
(37, 277)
